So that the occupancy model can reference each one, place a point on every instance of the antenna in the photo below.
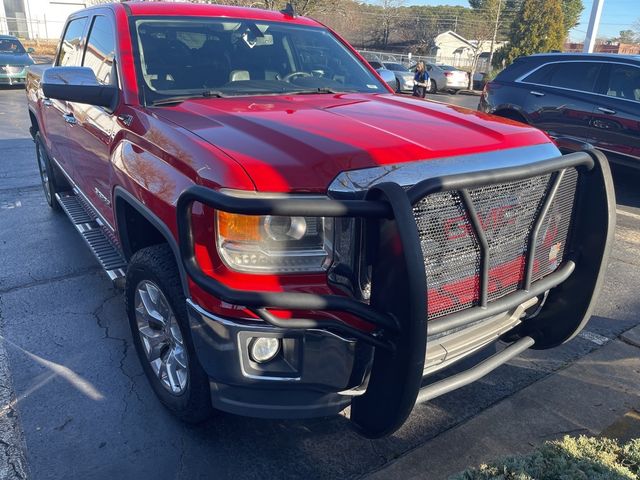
(289, 10)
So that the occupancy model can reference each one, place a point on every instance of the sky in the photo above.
(616, 15)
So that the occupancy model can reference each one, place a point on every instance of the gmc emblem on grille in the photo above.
(491, 221)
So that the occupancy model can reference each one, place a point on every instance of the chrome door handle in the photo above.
(607, 110)
(47, 102)
(536, 93)
(70, 119)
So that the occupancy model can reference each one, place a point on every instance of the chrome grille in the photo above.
(507, 213)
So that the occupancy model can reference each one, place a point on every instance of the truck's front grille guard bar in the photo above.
(258, 302)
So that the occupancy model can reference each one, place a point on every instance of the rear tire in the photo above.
(48, 178)
(157, 311)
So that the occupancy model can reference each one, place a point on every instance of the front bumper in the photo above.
(13, 77)
(397, 311)
(315, 375)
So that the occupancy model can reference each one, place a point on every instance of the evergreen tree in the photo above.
(538, 28)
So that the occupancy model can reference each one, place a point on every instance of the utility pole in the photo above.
(594, 23)
(495, 34)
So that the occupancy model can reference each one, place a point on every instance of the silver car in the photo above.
(446, 78)
(404, 76)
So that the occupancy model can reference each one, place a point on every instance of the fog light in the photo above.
(263, 349)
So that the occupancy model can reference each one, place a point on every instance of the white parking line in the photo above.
(627, 214)
(594, 337)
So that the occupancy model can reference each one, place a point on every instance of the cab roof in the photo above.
(172, 9)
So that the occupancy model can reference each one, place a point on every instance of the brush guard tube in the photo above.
(398, 307)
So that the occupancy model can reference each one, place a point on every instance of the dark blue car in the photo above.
(593, 98)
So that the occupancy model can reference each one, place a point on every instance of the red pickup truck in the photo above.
(293, 238)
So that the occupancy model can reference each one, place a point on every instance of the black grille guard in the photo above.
(398, 304)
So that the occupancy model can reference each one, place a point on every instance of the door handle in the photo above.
(536, 93)
(47, 102)
(607, 110)
(70, 119)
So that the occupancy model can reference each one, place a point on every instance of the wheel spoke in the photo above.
(161, 337)
(181, 356)
(172, 372)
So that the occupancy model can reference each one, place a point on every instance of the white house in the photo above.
(36, 19)
(454, 49)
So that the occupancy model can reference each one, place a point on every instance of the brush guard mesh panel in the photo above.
(507, 213)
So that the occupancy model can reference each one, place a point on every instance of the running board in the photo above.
(85, 221)
(475, 373)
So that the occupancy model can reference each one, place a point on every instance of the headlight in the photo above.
(274, 244)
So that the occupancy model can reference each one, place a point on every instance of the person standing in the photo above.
(420, 81)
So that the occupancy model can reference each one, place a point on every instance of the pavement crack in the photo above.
(43, 281)
(103, 324)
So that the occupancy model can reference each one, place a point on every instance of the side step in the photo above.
(85, 221)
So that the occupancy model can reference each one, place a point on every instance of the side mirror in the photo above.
(31, 50)
(78, 84)
(388, 76)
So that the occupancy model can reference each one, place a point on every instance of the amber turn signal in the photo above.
(239, 228)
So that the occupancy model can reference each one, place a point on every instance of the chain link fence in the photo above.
(407, 59)
(32, 28)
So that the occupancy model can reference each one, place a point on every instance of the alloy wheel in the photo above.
(161, 337)
(44, 176)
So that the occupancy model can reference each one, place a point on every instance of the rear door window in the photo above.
(580, 76)
(71, 47)
(624, 82)
(101, 50)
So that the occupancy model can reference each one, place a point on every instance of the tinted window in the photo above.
(398, 67)
(70, 48)
(193, 56)
(624, 82)
(101, 50)
(375, 64)
(573, 75)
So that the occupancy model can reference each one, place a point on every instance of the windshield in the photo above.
(219, 57)
(9, 45)
(396, 67)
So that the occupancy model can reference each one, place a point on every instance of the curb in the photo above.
(598, 394)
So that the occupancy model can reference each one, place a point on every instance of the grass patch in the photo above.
(42, 47)
(582, 458)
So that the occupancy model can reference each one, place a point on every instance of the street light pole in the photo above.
(594, 23)
(495, 34)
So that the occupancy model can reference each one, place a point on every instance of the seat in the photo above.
(239, 76)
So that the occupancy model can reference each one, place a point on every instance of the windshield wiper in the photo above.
(315, 90)
(182, 98)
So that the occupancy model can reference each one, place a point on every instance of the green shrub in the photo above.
(582, 458)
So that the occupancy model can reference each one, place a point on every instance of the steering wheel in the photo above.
(289, 76)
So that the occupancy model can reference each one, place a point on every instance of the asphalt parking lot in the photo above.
(81, 407)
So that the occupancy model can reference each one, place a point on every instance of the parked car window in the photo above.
(71, 42)
(396, 67)
(572, 75)
(101, 50)
(375, 64)
(624, 82)
(9, 45)
(198, 56)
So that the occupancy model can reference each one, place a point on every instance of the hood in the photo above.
(302, 142)
(15, 59)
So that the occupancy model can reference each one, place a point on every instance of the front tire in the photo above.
(48, 179)
(433, 88)
(157, 311)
